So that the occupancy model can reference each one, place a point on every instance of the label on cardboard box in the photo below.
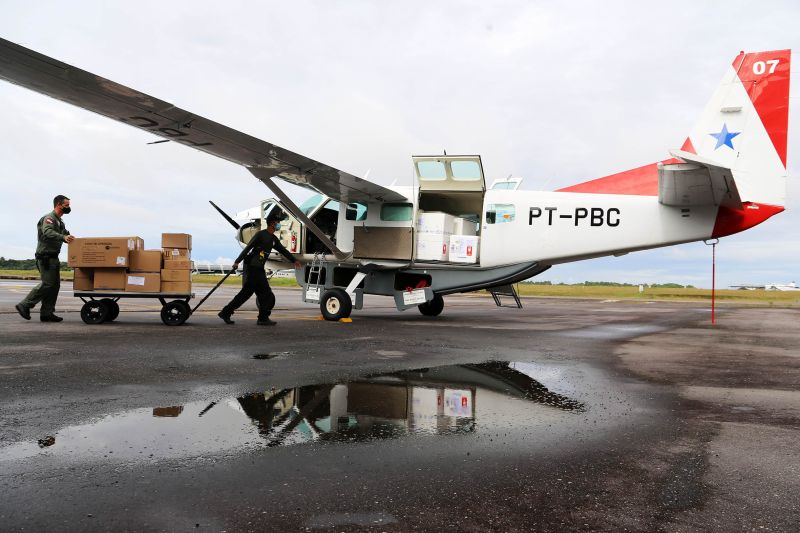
(143, 282)
(175, 253)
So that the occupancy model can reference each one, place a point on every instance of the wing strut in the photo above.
(265, 175)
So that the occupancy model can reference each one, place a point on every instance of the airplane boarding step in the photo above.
(505, 291)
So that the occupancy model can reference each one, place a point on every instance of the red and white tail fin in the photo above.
(744, 126)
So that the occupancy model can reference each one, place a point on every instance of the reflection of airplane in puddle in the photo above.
(438, 401)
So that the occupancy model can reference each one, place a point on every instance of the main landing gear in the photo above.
(335, 304)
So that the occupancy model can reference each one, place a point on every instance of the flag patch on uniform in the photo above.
(48, 220)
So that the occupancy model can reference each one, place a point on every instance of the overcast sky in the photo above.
(555, 92)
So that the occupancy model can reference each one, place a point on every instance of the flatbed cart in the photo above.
(101, 306)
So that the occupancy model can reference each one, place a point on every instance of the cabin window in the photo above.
(465, 170)
(500, 213)
(396, 212)
(431, 170)
(356, 211)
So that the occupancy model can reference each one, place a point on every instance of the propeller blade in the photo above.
(225, 215)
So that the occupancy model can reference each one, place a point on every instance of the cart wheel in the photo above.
(113, 309)
(175, 313)
(94, 312)
(335, 304)
(432, 308)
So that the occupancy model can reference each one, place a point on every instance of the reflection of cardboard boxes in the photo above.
(176, 240)
(102, 251)
(83, 279)
(464, 248)
(168, 411)
(184, 276)
(109, 279)
(182, 287)
(143, 282)
(144, 261)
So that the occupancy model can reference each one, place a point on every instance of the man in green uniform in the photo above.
(52, 234)
(254, 279)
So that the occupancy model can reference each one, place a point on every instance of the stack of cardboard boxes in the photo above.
(444, 237)
(122, 264)
(176, 273)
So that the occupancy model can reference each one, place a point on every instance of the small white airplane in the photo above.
(791, 286)
(449, 234)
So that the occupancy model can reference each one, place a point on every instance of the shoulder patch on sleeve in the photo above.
(49, 220)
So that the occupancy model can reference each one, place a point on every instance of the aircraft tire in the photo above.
(434, 307)
(335, 304)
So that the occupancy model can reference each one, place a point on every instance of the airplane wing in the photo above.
(696, 182)
(46, 75)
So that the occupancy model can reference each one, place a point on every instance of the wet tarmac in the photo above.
(566, 415)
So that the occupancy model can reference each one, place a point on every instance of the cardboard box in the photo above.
(144, 261)
(83, 279)
(462, 226)
(433, 247)
(101, 251)
(143, 282)
(176, 286)
(464, 248)
(137, 243)
(434, 222)
(109, 279)
(176, 275)
(177, 253)
(176, 240)
(177, 264)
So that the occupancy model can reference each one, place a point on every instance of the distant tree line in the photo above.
(23, 264)
(615, 284)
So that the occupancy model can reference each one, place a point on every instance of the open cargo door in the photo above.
(451, 190)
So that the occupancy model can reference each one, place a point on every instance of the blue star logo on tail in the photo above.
(725, 137)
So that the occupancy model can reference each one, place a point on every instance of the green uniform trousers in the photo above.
(46, 291)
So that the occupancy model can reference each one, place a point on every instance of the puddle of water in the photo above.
(271, 355)
(456, 400)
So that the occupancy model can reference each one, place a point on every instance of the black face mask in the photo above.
(66, 210)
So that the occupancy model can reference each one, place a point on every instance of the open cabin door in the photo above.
(451, 190)
(291, 232)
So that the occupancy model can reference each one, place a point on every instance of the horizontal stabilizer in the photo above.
(696, 182)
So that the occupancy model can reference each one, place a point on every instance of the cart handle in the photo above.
(212, 290)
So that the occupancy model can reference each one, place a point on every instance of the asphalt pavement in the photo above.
(564, 415)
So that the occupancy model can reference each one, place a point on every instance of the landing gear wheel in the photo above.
(432, 308)
(335, 304)
(94, 312)
(113, 309)
(175, 313)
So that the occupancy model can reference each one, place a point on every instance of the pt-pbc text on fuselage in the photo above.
(579, 216)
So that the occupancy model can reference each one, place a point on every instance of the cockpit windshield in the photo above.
(309, 205)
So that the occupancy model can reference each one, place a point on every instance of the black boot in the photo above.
(266, 322)
(50, 318)
(23, 311)
(225, 318)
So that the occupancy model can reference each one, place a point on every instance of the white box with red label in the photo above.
(464, 248)
(433, 246)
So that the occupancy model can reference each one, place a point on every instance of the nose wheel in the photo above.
(335, 304)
